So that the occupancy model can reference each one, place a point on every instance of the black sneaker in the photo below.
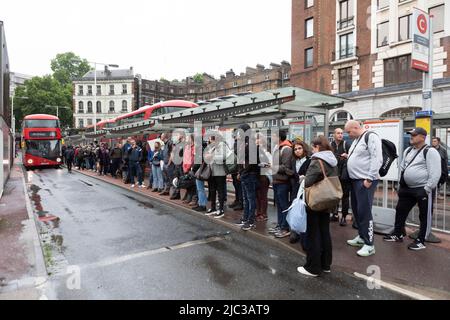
(393, 238)
(238, 207)
(240, 223)
(248, 226)
(234, 204)
(274, 230)
(416, 246)
(343, 222)
(219, 214)
(199, 209)
(211, 212)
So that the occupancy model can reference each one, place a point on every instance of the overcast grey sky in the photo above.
(166, 38)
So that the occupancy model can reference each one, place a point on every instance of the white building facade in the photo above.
(115, 96)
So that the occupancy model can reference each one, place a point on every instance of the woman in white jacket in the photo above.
(215, 155)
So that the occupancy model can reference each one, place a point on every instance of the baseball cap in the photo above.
(418, 131)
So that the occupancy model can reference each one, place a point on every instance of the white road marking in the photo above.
(392, 287)
(122, 259)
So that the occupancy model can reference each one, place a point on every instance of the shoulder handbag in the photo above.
(230, 161)
(325, 194)
(204, 172)
(186, 181)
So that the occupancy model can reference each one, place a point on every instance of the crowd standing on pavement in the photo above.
(176, 161)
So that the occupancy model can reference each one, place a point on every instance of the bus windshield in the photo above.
(41, 124)
(43, 148)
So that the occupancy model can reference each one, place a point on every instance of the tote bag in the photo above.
(324, 195)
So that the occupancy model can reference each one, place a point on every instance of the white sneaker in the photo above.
(305, 272)
(142, 186)
(132, 186)
(366, 251)
(357, 242)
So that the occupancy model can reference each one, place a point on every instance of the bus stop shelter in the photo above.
(278, 104)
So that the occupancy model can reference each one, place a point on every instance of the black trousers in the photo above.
(238, 189)
(319, 249)
(407, 199)
(346, 187)
(69, 165)
(115, 166)
(217, 186)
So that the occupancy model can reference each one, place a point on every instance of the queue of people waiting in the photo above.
(177, 161)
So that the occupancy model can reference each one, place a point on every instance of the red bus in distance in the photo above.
(41, 141)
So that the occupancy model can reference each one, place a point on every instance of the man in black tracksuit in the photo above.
(420, 174)
(340, 150)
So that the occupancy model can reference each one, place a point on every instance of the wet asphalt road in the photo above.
(126, 246)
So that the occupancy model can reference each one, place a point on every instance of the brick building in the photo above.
(253, 79)
(361, 49)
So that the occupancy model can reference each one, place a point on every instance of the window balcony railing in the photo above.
(345, 53)
(345, 23)
(111, 93)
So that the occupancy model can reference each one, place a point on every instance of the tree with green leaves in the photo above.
(41, 95)
(68, 66)
(198, 78)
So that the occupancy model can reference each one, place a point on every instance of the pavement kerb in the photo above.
(269, 240)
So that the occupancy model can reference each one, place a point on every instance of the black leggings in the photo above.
(217, 185)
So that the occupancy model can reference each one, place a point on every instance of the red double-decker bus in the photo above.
(41, 141)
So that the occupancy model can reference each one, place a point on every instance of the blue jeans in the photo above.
(281, 194)
(249, 184)
(362, 200)
(158, 181)
(202, 198)
(136, 169)
(87, 164)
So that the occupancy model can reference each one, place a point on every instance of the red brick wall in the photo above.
(366, 60)
(317, 78)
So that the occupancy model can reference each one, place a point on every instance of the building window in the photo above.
(346, 47)
(383, 34)
(398, 70)
(80, 107)
(111, 106)
(286, 76)
(99, 90)
(309, 59)
(98, 120)
(89, 122)
(80, 90)
(309, 3)
(267, 78)
(383, 4)
(249, 81)
(89, 90)
(235, 84)
(124, 106)
(309, 28)
(89, 107)
(346, 14)
(345, 80)
(438, 20)
(99, 107)
(80, 123)
(404, 28)
(124, 89)
(111, 89)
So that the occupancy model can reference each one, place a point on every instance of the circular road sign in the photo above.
(422, 23)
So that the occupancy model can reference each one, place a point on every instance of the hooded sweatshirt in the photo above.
(314, 173)
(282, 154)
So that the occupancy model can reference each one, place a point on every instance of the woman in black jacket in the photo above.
(319, 249)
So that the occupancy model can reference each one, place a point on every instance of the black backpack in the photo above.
(389, 154)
